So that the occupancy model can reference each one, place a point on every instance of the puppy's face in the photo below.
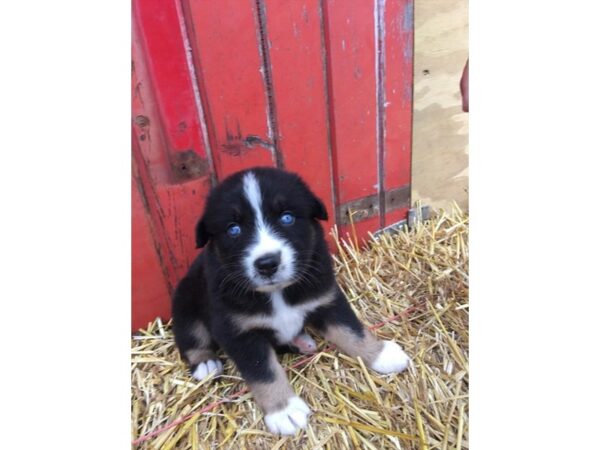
(262, 226)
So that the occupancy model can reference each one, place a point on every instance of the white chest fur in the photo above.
(285, 320)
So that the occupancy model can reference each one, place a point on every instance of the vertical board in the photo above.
(168, 129)
(319, 87)
(151, 166)
(149, 289)
(397, 89)
(162, 35)
(295, 62)
(350, 39)
(146, 125)
(227, 48)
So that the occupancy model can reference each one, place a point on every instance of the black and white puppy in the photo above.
(266, 273)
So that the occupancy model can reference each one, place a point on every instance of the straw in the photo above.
(410, 286)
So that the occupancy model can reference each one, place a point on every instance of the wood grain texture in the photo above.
(440, 143)
(149, 288)
(318, 87)
(352, 83)
(397, 99)
(173, 204)
(298, 77)
(160, 35)
(226, 40)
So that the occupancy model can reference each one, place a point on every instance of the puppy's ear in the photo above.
(202, 235)
(318, 210)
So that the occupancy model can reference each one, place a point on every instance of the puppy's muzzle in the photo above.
(268, 264)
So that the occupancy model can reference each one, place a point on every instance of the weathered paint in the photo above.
(266, 72)
(353, 102)
(318, 87)
(330, 120)
(227, 56)
(192, 70)
(381, 102)
(164, 106)
(148, 282)
(398, 100)
(408, 17)
(299, 89)
(160, 36)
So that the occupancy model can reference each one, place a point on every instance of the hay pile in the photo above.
(411, 287)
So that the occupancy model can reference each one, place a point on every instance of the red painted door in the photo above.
(319, 87)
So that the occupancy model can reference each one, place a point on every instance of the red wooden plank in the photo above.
(297, 69)
(162, 33)
(173, 208)
(174, 211)
(146, 120)
(230, 70)
(362, 228)
(397, 84)
(350, 40)
(352, 57)
(150, 160)
(149, 289)
(253, 93)
(397, 215)
(180, 207)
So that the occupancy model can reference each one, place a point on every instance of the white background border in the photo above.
(65, 249)
(65, 186)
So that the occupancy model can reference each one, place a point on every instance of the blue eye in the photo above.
(287, 219)
(234, 230)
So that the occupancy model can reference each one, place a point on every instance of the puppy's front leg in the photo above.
(285, 412)
(339, 325)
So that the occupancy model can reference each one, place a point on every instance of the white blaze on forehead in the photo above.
(266, 239)
(254, 197)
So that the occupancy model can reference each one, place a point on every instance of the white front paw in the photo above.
(289, 419)
(391, 359)
(206, 368)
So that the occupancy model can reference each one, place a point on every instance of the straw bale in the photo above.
(411, 286)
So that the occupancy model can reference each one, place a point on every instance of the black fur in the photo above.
(339, 312)
(215, 286)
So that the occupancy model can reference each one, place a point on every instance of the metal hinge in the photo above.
(415, 215)
(367, 207)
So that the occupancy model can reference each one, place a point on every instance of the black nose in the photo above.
(268, 264)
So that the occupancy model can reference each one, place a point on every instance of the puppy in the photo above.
(265, 274)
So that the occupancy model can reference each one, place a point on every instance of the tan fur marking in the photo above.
(368, 347)
(247, 322)
(200, 332)
(196, 356)
(273, 396)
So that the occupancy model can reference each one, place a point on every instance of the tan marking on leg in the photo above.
(367, 347)
(196, 356)
(273, 396)
(201, 352)
(201, 333)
